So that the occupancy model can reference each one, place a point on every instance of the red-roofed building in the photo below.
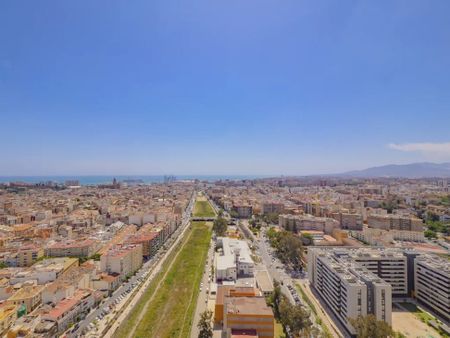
(149, 241)
(106, 282)
(67, 310)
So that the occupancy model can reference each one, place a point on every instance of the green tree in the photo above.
(95, 257)
(438, 226)
(431, 216)
(307, 239)
(204, 325)
(234, 214)
(220, 226)
(295, 319)
(288, 247)
(275, 298)
(445, 200)
(430, 234)
(271, 218)
(369, 327)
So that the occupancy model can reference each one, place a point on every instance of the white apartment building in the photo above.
(235, 259)
(390, 265)
(432, 284)
(347, 288)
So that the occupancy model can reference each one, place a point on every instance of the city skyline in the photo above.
(249, 88)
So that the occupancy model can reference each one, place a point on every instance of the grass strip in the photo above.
(170, 311)
(202, 208)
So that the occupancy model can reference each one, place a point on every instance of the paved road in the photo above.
(292, 293)
(135, 282)
(271, 262)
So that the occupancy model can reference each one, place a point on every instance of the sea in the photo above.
(104, 179)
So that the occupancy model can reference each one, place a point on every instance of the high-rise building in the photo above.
(432, 284)
(348, 289)
(390, 265)
(353, 282)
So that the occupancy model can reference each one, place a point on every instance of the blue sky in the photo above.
(222, 87)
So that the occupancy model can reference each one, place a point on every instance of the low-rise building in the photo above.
(28, 255)
(264, 282)
(30, 296)
(8, 314)
(248, 313)
(224, 291)
(235, 259)
(72, 248)
(45, 271)
(66, 311)
(106, 282)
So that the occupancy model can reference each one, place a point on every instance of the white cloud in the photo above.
(427, 148)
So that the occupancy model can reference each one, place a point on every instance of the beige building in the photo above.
(379, 237)
(272, 208)
(394, 222)
(297, 223)
(122, 259)
(28, 255)
(82, 248)
(8, 314)
(31, 296)
(347, 220)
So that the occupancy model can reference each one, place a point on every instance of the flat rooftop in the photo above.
(247, 306)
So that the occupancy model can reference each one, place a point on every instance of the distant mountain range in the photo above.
(412, 170)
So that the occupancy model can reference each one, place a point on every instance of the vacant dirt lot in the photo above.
(408, 324)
